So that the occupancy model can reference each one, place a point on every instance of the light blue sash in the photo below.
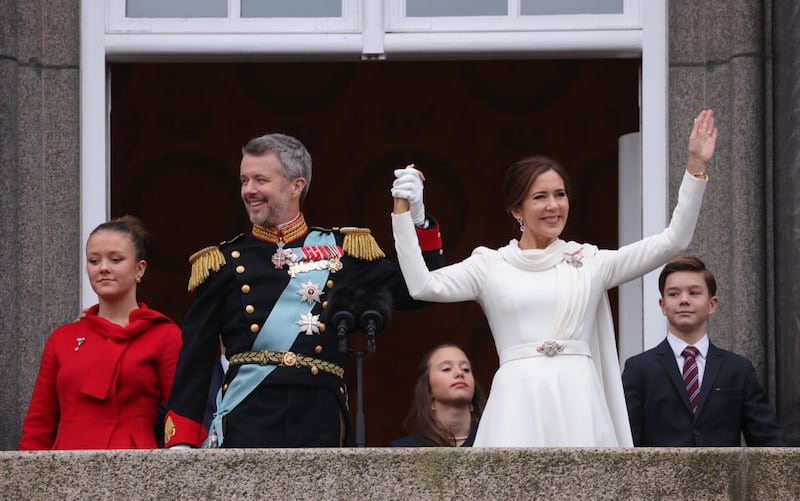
(277, 334)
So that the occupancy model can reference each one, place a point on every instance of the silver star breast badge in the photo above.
(309, 292)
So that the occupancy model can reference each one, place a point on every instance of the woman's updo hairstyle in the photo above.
(131, 226)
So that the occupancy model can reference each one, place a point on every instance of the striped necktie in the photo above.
(691, 376)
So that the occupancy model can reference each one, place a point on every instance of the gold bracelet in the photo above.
(700, 175)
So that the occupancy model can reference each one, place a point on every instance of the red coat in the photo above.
(100, 384)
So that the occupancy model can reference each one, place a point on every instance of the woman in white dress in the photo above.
(545, 299)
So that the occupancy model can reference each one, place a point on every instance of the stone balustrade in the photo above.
(418, 474)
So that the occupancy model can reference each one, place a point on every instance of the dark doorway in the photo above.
(177, 129)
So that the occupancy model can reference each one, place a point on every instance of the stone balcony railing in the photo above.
(418, 474)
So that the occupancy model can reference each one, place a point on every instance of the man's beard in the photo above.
(271, 215)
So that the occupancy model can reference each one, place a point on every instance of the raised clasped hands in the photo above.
(408, 186)
(702, 142)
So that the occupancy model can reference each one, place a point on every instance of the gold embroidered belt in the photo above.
(286, 359)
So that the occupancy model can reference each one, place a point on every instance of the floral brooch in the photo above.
(574, 259)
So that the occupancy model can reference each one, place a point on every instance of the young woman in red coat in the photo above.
(102, 378)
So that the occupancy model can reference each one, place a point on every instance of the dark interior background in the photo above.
(177, 130)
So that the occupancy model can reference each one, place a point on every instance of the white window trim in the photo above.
(642, 325)
(514, 44)
(95, 163)
(655, 156)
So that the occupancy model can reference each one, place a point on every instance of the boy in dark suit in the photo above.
(686, 392)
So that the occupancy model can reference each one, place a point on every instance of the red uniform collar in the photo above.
(288, 233)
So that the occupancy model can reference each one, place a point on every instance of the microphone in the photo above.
(341, 310)
(376, 315)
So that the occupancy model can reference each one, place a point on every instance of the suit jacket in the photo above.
(100, 384)
(732, 402)
(236, 299)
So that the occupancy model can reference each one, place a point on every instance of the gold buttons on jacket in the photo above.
(322, 326)
(249, 308)
(254, 328)
(314, 370)
(225, 387)
(245, 289)
(318, 349)
(329, 284)
(324, 304)
(235, 254)
(240, 269)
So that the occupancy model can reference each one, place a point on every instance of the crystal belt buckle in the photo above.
(550, 348)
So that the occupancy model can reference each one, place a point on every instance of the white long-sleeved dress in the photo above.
(531, 298)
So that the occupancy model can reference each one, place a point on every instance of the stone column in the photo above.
(717, 61)
(786, 74)
(39, 191)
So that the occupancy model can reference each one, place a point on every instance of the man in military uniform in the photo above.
(265, 295)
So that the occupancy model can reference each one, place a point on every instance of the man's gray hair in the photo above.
(293, 156)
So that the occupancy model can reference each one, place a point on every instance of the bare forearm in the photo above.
(401, 205)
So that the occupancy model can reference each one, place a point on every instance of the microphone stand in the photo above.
(345, 322)
(371, 322)
(361, 440)
(360, 429)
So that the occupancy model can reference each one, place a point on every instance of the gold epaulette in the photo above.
(203, 261)
(359, 243)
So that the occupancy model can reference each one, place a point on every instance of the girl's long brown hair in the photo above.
(429, 429)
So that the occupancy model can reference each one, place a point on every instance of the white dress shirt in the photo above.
(678, 345)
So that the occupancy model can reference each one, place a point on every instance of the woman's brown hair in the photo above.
(430, 431)
(521, 175)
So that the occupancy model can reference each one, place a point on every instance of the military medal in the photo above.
(309, 324)
(294, 269)
(312, 258)
(279, 258)
(80, 341)
(310, 293)
(213, 440)
(334, 264)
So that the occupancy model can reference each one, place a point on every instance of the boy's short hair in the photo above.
(687, 263)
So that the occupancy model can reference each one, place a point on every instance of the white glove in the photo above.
(180, 447)
(408, 185)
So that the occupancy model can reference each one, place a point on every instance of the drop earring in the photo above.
(521, 224)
